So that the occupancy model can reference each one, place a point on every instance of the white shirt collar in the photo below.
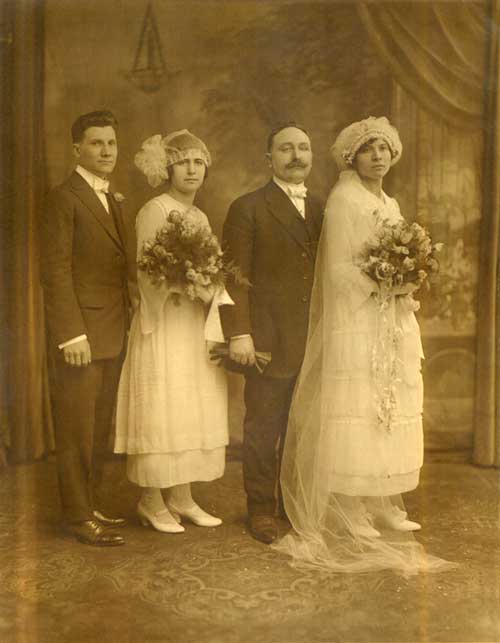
(95, 182)
(284, 185)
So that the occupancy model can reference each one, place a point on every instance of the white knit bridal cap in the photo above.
(352, 137)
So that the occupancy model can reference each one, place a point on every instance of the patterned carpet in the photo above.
(221, 586)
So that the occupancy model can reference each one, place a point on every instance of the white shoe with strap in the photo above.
(161, 520)
(195, 514)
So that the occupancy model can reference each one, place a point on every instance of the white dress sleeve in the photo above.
(349, 285)
(150, 219)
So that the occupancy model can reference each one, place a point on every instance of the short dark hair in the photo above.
(101, 118)
(372, 140)
(281, 127)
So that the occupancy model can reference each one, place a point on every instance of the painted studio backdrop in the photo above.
(229, 71)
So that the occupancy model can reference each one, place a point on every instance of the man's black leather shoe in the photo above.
(263, 528)
(107, 521)
(91, 532)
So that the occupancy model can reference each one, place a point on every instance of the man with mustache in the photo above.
(272, 235)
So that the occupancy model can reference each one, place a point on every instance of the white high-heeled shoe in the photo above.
(395, 519)
(161, 520)
(355, 517)
(195, 514)
(364, 529)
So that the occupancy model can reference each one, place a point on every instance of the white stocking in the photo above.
(152, 499)
(181, 497)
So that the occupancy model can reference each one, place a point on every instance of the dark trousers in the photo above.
(267, 401)
(84, 403)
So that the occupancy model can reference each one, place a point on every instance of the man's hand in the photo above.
(78, 354)
(242, 350)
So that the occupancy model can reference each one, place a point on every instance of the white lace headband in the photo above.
(156, 155)
(173, 155)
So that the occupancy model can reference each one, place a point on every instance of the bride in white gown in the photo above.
(172, 400)
(343, 471)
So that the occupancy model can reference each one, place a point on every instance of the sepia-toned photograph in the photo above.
(250, 321)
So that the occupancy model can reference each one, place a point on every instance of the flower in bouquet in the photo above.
(185, 254)
(400, 253)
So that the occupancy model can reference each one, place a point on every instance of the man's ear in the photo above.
(268, 158)
(76, 150)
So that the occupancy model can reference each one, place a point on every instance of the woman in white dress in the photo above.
(343, 468)
(172, 400)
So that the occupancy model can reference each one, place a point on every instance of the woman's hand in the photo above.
(205, 293)
(405, 289)
(134, 304)
(174, 289)
(408, 303)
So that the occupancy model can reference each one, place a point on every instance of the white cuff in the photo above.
(72, 341)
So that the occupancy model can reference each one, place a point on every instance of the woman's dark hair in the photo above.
(371, 140)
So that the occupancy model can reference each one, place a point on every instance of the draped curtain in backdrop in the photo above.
(445, 55)
(6, 30)
(487, 436)
(27, 415)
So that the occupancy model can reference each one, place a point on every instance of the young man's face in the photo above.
(290, 157)
(97, 151)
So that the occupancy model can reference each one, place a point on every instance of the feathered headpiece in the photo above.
(157, 153)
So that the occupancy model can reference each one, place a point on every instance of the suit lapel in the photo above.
(313, 218)
(115, 208)
(282, 209)
(90, 199)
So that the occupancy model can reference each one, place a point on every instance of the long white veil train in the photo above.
(333, 396)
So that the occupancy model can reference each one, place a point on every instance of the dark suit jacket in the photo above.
(275, 248)
(84, 268)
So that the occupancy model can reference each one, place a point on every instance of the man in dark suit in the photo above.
(84, 271)
(272, 235)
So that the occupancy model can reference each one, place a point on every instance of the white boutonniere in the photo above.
(118, 197)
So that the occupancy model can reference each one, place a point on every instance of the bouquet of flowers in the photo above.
(187, 255)
(400, 253)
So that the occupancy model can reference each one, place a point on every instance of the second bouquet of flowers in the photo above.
(185, 254)
(400, 253)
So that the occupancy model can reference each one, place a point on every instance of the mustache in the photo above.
(297, 163)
